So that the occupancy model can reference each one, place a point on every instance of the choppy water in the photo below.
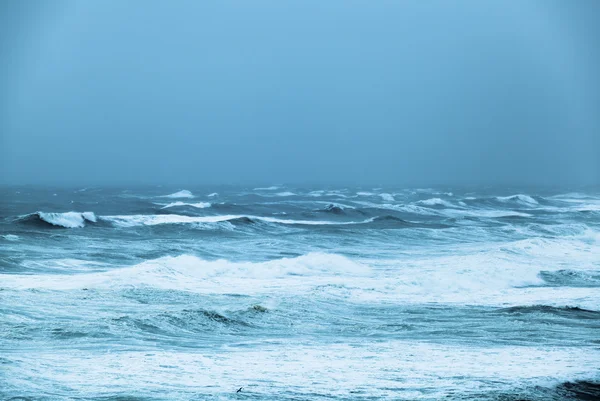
(299, 293)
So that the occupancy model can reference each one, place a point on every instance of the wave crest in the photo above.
(184, 193)
(198, 205)
(65, 220)
(519, 198)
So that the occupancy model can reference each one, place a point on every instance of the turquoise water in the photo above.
(299, 293)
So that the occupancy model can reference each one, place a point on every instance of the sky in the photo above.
(403, 92)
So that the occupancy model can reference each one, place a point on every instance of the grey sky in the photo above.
(403, 92)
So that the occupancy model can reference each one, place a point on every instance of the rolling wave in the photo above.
(152, 220)
(571, 278)
(190, 272)
(563, 311)
(65, 220)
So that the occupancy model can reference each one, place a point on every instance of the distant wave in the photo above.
(212, 195)
(180, 194)
(199, 205)
(435, 202)
(387, 197)
(523, 199)
(151, 220)
(336, 208)
(273, 188)
(11, 237)
(286, 193)
(66, 220)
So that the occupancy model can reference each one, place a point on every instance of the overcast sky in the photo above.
(205, 92)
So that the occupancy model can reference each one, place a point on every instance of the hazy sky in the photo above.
(403, 92)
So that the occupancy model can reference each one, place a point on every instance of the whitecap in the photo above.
(152, 220)
(199, 205)
(180, 194)
(387, 197)
(68, 219)
(525, 199)
(272, 188)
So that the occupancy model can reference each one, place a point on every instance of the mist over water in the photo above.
(393, 200)
(397, 93)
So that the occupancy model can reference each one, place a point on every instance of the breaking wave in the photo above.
(199, 205)
(187, 271)
(435, 202)
(272, 188)
(152, 220)
(65, 220)
(522, 199)
(180, 194)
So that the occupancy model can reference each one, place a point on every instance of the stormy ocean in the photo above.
(290, 293)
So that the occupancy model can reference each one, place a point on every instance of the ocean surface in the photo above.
(323, 293)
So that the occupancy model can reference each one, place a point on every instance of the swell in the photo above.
(577, 390)
(176, 323)
(571, 278)
(571, 312)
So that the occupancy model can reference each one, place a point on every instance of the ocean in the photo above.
(299, 293)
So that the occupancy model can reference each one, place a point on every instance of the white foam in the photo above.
(191, 273)
(524, 199)
(387, 197)
(272, 188)
(288, 368)
(212, 195)
(199, 205)
(180, 194)
(89, 216)
(286, 193)
(11, 237)
(155, 219)
(68, 219)
(435, 202)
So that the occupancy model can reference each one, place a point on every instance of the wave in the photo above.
(188, 272)
(562, 311)
(152, 220)
(11, 237)
(435, 202)
(199, 205)
(180, 194)
(272, 188)
(336, 208)
(387, 197)
(571, 278)
(173, 322)
(578, 390)
(286, 193)
(212, 195)
(523, 199)
(65, 220)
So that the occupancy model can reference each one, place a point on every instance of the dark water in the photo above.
(299, 293)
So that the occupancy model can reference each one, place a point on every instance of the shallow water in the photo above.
(299, 293)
